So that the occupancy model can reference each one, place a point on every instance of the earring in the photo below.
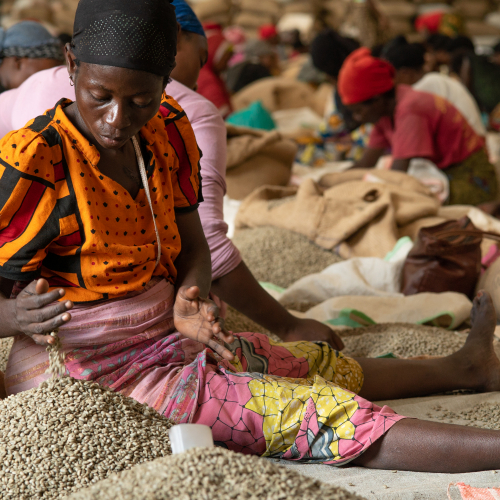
(71, 81)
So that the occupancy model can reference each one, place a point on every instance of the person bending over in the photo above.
(25, 48)
(100, 197)
(232, 281)
(408, 60)
(411, 124)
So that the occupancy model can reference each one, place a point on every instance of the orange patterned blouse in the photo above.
(62, 219)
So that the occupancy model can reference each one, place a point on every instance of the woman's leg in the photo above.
(422, 446)
(475, 366)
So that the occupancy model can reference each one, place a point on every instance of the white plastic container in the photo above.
(186, 436)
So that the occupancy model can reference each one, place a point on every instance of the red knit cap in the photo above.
(363, 77)
(267, 31)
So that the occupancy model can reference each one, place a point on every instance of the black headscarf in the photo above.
(402, 54)
(329, 50)
(134, 34)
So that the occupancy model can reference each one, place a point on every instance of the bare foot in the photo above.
(477, 358)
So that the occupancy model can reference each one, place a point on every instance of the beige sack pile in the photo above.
(256, 158)
(399, 13)
(253, 14)
(215, 11)
(343, 211)
(57, 15)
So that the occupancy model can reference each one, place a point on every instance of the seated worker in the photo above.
(25, 48)
(480, 74)
(261, 61)
(408, 60)
(100, 197)
(328, 52)
(210, 82)
(412, 124)
(232, 281)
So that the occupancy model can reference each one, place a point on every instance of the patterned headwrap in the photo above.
(187, 18)
(29, 39)
(132, 34)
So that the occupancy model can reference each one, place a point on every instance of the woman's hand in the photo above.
(36, 312)
(198, 319)
(311, 330)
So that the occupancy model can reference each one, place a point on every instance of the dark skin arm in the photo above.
(195, 316)
(370, 158)
(242, 291)
(35, 312)
(400, 165)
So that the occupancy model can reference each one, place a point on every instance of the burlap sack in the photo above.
(363, 215)
(64, 14)
(248, 19)
(307, 7)
(400, 179)
(268, 7)
(275, 93)
(336, 11)
(472, 9)
(256, 158)
(209, 8)
(32, 9)
(400, 27)
(480, 28)
(397, 9)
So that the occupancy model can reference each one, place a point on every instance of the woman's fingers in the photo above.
(219, 330)
(39, 331)
(220, 349)
(42, 286)
(33, 301)
(49, 312)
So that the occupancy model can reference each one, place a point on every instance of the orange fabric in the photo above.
(62, 219)
(363, 77)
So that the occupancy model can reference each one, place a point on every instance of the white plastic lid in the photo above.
(186, 436)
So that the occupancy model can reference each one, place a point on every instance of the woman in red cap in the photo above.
(412, 124)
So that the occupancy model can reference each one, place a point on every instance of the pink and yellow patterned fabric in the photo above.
(295, 401)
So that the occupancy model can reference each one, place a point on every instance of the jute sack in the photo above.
(479, 28)
(400, 27)
(305, 6)
(256, 158)
(336, 12)
(275, 93)
(32, 9)
(362, 215)
(268, 7)
(208, 8)
(247, 19)
(472, 9)
(397, 9)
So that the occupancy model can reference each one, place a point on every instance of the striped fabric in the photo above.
(62, 219)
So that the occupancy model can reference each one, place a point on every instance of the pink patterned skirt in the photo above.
(295, 401)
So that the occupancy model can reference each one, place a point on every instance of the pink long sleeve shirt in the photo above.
(43, 89)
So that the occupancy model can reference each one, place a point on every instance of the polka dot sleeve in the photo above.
(29, 216)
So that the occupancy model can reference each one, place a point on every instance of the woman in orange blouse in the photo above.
(99, 197)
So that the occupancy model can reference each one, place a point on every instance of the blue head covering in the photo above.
(29, 39)
(187, 18)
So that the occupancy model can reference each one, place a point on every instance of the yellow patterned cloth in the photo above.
(295, 401)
